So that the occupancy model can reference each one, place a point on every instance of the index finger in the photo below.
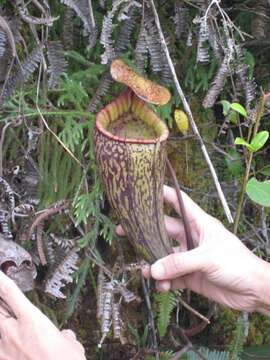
(193, 211)
(14, 297)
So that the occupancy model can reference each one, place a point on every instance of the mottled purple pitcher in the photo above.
(130, 149)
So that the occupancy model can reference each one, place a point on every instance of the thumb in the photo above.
(180, 264)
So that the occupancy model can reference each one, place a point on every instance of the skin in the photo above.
(30, 335)
(220, 267)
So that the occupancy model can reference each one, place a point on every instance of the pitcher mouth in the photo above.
(129, 103)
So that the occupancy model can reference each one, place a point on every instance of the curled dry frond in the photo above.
(125, 14)
(6, 190)
(3, 41)
(203, 36)
(143, 88)
(24, 14)
(83, 9)
(57, 63)
(103, 88)
(62, 274)
(217, 84)
(24, 72)
(180, 19)
(4, 226)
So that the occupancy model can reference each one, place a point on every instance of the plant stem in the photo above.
(258, 117)
(190, 116)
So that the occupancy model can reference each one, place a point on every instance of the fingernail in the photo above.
(158, 270)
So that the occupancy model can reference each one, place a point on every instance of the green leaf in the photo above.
(233, 117)
(166, 303)
(239, 108)
(259, 140)
(240, 141)
(259, 192)
(226, 106)
(265, 170)
(233, 162)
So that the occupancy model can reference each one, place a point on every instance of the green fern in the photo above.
(166, 303)
(208, 354)
(237, 345)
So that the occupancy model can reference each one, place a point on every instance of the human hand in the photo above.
(30, 335)
(220, 267)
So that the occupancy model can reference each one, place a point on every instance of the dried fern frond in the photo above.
(217, 84)
(83, 9)
(62, 274)
(62, 242)
(103, 88)
(6, 190)
(141, 50)
(180, 19)
(153, 43)
(68, 29)
(248, 86)
(107, 29)
(24, 14)
(3, 42)
(123, 40)
(203, 36)
(4, 226)
(57, 63)
(116, 320)
(24, 72)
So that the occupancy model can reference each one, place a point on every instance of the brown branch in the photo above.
(190, 116)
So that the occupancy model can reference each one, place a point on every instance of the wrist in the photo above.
(262, 287)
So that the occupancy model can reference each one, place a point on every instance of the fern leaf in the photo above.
(141, 50)
(57, 63)
(202, 51)
(180, 19)
(104, 86)
(3, 41)
(123, 40)
(25, 71)
(62, 274)
(166, 303)
(153, 43)
(208, 354)
(217, 84)
(79, 10)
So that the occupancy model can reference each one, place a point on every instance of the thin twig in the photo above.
(190, 242)
(150, 316)
(259, 115)
(190, 116)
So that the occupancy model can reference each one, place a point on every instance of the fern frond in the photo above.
(68, 29)
(57, 63)
(103, 88)
(24, 14)
(62, 274)
(180, 19)
(166, 303)
(82, 10)
(203, 36)
(8, 193)
(208, 354)
(123, 40)
(152, 40)
(26, 70)
(3, 42)
(217, 84)
(237, 345)
(141, 50)
(4, 226)
(248, 86)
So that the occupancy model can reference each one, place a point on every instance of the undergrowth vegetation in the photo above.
(54, 77)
